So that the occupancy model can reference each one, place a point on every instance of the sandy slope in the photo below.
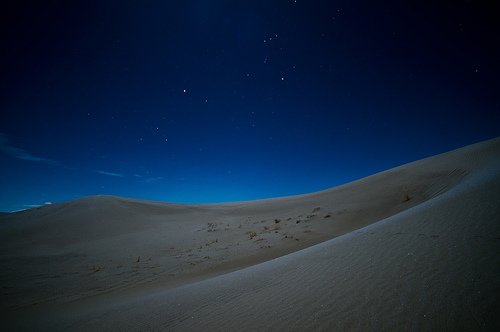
(433, 263)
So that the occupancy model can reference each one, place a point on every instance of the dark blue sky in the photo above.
(209, 101)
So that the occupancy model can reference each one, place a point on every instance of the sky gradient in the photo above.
(211, 101)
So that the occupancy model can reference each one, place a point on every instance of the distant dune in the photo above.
(412, 248)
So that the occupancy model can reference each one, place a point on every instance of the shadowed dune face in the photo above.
(101, 244)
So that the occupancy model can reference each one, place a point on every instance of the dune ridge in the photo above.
(395, 250)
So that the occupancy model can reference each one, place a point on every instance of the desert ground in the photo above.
(416, 247)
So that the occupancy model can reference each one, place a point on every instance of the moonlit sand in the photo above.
(412, 248)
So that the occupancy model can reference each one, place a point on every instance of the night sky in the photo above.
(210, 101)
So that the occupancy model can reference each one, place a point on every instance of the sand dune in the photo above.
(415, 247)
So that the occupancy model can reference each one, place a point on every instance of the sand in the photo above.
(412, 248)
